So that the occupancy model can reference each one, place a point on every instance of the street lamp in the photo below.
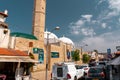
(82, 48)
(47, 48)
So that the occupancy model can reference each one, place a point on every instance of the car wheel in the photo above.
(75, 78)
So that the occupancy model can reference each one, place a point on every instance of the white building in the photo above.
(4, 31)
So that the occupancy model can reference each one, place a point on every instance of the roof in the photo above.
(16, 59)
(11, 52)
(66, 40)
(23, 35)
(51, 35)
(5, 15)
(10, 55)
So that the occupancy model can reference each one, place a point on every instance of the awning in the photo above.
(17, 59)
(115, 61)
(12, 52)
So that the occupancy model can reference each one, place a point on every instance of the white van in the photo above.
(64, 71)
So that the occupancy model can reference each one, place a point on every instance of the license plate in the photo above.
(95, 79)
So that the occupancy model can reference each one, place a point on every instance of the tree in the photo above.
(75, 55)
(96, 51)
(85, 58)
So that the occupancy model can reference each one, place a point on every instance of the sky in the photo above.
(92, 22)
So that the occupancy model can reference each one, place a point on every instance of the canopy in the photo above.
(11, 52)
(24, 35)
(16, 59)
(115, 61)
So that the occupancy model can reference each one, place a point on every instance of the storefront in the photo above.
(12, 60)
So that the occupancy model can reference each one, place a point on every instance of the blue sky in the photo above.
(92, 22)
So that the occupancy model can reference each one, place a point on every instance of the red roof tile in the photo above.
(11, 52)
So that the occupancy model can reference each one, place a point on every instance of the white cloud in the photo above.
(76, 26)
(108, 18)
(103, 42)
(80, 28)
(114, 5)
(111, 14)
(87, 17)
(87, 32)
(114, 9)
(111, 11)
(104, 25)
(109, 27)
(100, 1)
(119, 20)
(93, 21)
(74, 29)
(79, 23)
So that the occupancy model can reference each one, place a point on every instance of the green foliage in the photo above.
(31, 56)
(85, 58)
(96, 51)
(75, 55)
(30, 64)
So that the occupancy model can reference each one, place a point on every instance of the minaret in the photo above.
(39, 19)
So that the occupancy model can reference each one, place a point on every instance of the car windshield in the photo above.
(101, 63)
(95, 70)
(84, 66)
(79, 67)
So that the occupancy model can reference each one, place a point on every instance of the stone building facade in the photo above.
(28, 45)
(35, 43)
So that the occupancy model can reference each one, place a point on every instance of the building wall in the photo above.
(23, 45)
(39, 19)
(62, 50)
(4, 38)
(38, 31)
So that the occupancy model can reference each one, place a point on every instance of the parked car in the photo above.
(93, 63)
(80, 71)
(95, 73)
(102, 63)
(65, 71)
(86, 68)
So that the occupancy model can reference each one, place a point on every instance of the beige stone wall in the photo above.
(39, 19)
(62, 49)
(4, 37)
(23, 45)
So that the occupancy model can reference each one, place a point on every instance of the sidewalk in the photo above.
(40, 75)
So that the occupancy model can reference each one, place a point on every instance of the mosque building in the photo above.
(36, 43)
